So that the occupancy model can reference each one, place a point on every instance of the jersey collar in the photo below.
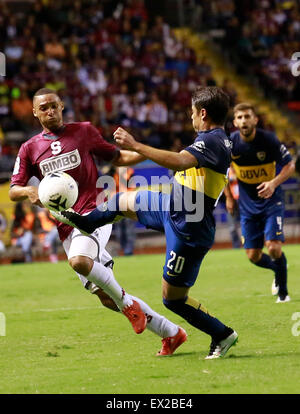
(210, 130)
(52, 135)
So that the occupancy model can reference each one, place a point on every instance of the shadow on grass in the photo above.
(262, 355)
(179, 355)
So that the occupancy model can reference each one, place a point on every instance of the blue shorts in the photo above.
(182, 261)
(260, 227)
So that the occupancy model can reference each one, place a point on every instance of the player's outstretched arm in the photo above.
(266, 189)
(168, 159)
(20, 193)
(127, 158)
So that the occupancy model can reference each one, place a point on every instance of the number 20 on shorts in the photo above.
(176, 263)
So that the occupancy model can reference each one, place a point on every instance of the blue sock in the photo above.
(266, 262)
(281, 274)
(106, 212)
(195, 314)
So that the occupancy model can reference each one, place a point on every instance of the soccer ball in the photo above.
(58, 191)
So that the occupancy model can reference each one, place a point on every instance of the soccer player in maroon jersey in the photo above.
(70, 148)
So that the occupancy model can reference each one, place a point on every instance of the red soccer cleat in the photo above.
(170, 344)
(136, 317)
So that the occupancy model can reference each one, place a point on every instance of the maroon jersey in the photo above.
(71, 151)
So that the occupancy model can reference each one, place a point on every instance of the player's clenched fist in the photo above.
(32, 194)
(124, 139)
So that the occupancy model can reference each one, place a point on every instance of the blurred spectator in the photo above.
(49, 236)
(7, 159)
(290, 143)
(96, 82)
(54, 49)
(24, 226)
(3, 226)
(297, 161)
(157, 111)
(263, 35)
(13, 50)
(124, 229)
(109, 62)
(22, 108)
(264, 123)
(228, 87)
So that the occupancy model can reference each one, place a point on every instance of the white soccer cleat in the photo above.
(218, 350)
(274, 288)
(283, 299)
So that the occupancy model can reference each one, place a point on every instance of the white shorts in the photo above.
(92, 246)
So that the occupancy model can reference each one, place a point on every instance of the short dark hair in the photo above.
(214, 100)
(244, 106)
(45, 91)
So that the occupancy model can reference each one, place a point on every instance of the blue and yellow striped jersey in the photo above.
(255, 162)
(196, 191)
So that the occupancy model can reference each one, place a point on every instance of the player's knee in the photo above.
(254, 255)
(81, 264)
(274, 251)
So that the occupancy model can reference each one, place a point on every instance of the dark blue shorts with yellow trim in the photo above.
(182, 260)
(260, 227)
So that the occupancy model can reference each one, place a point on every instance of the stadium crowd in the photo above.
(264, 35)
(111, 65)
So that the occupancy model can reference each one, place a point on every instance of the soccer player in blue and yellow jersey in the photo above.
(185, 215)
(255, 155)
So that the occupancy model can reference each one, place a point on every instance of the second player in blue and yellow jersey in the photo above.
(261, 163)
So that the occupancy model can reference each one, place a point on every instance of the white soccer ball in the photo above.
(58, 191)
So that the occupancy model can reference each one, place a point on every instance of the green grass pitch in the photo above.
(60, 339)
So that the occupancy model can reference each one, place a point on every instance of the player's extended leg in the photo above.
(119, 206)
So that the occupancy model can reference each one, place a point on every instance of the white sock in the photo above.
(156, 322)
(104, 278)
